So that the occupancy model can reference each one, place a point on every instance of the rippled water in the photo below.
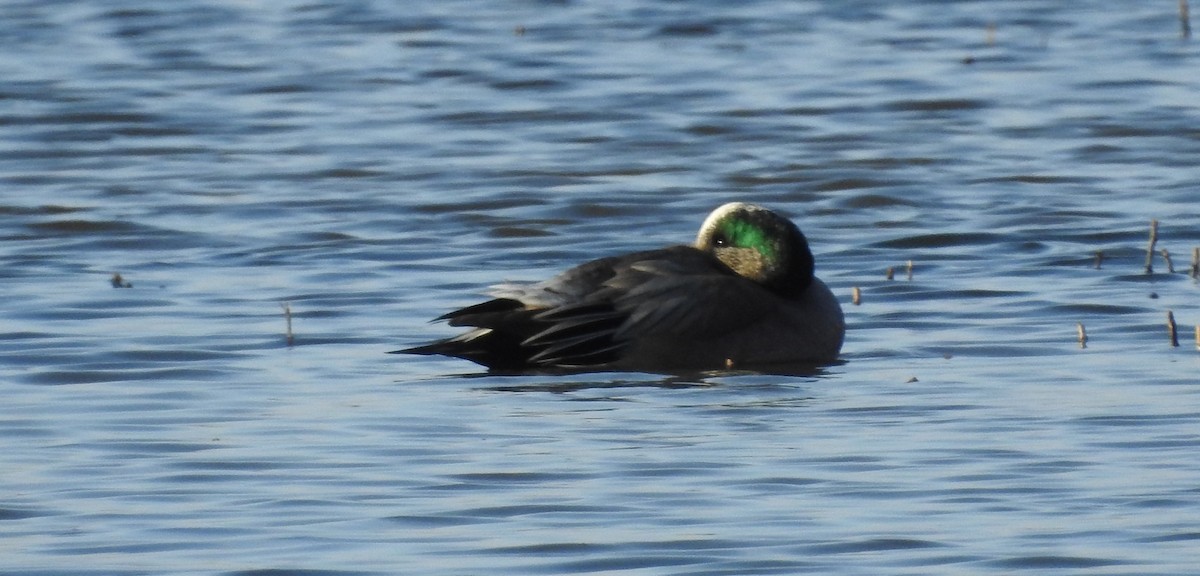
(370, 165)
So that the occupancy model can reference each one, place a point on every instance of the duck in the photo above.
(743, 296)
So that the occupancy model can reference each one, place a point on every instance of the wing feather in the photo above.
(699, 305)
(590, 314)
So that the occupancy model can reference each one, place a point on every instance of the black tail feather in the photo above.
(484, 346)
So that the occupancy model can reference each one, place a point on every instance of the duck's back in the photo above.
(674, 308)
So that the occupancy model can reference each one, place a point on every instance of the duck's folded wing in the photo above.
(691, 306)
(676, 293)
(578, 335)
(574, 286)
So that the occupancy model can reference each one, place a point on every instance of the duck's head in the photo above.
(760, 245)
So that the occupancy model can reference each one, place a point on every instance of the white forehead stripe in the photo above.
(721, 212)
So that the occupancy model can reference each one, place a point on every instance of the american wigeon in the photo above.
(742, 296)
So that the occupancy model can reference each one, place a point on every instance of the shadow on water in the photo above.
(558, 387)
(562, 380)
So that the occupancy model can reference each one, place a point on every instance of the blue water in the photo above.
(368, 166)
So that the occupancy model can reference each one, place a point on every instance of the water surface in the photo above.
(371, 166)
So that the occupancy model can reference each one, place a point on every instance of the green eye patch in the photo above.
(744, 234)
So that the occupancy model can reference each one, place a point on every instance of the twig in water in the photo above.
(287, 316)
(909, 269)
(856, 296)
(1166, 254)
(1099, 258)
(1184, 24)
(1172, 330)
(1198, 336)
(1082, 334)
(891, 273)
(1150, 248)
(1196, 262)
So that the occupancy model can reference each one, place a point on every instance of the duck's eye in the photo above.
(720, 240)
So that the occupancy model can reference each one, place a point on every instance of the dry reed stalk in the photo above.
(1082, 334)
(287, 316)
(1166, 254)
(856, 296)
(1172, 330)
(1185, 26)
(1150, 248)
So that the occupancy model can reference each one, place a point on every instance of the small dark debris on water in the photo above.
(119, 282)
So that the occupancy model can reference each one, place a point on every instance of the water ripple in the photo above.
(289, 190)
